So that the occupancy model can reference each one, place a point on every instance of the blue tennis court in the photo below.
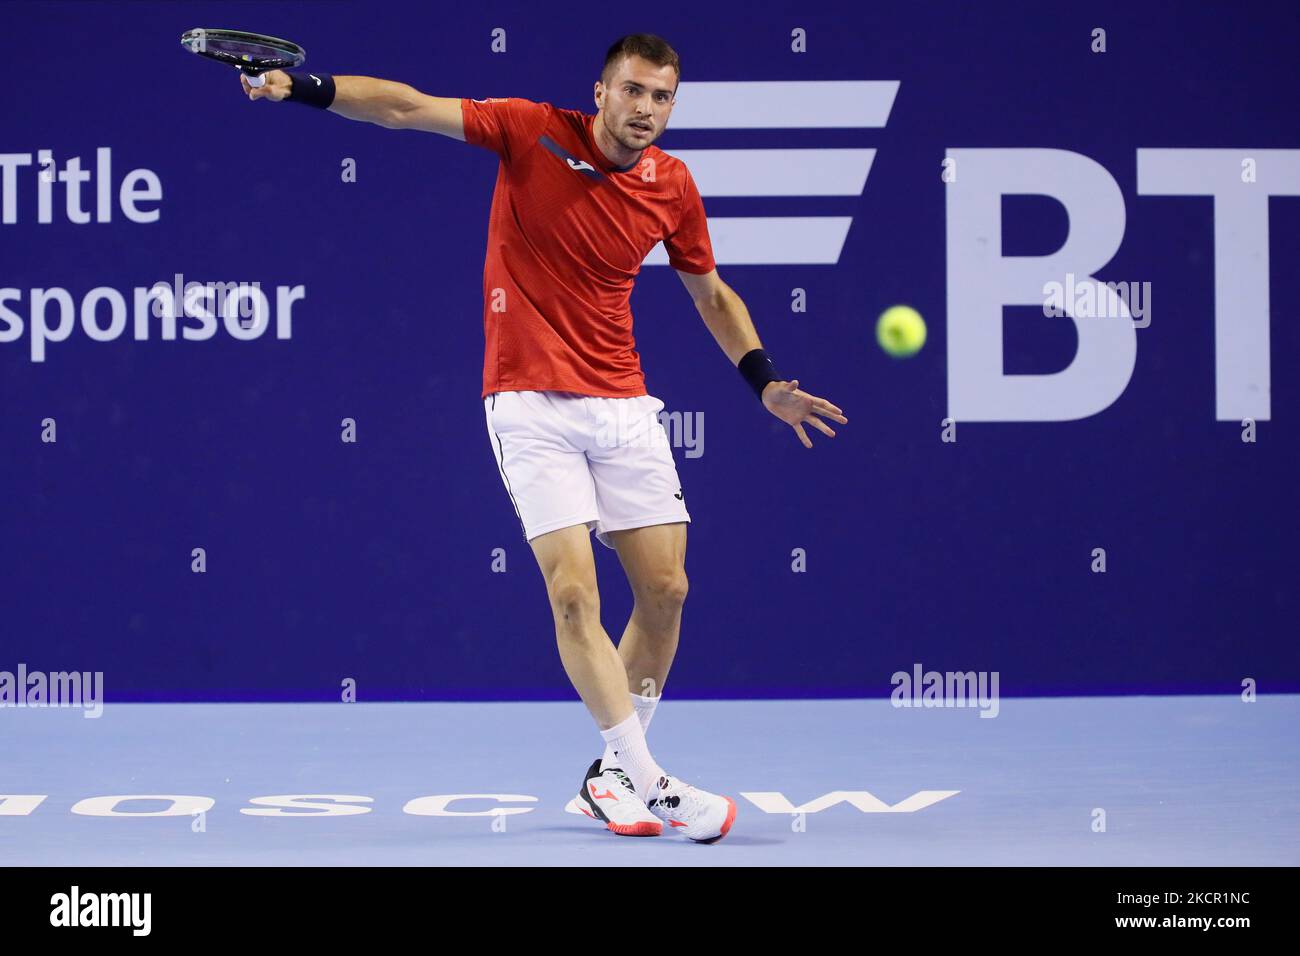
(1181, 780)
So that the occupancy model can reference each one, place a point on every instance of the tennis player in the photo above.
(580, 201)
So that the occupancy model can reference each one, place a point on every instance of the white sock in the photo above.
(645, 709)
(626, 741)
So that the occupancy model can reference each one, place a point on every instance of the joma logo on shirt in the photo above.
(576, 164)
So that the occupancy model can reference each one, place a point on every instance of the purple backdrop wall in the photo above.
(373, 560)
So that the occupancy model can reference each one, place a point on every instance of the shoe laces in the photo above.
(622, 778)
(680, 798)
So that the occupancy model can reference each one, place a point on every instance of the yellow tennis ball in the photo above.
(900, 330)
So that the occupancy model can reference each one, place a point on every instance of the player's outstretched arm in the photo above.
(728, 320)
(371, 100)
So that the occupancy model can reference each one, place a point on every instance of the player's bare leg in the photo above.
(588, 654)
(654, 559)
(614, 796)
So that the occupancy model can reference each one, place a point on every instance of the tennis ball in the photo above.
(900, 330)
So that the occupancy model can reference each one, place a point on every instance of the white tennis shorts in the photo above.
(568, 459)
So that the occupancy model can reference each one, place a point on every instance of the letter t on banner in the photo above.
(1242, 384)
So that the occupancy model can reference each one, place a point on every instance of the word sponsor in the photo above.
(243, 309)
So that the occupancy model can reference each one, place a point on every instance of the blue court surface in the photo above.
(1181, 781)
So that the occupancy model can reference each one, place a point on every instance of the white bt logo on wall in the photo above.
(762, 173)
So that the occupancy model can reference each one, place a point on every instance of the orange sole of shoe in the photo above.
(636, 829)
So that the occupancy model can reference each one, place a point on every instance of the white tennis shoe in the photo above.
(608, 797)
(704, 817)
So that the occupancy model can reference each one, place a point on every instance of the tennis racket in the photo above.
(253, 53)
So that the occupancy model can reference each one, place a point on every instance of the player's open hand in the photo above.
(797, 408)
(277, 86)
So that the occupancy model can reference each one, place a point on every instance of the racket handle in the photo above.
(256, 79)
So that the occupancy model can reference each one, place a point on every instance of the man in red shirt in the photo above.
(580, 201)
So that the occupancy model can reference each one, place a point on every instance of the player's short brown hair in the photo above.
(645, 45)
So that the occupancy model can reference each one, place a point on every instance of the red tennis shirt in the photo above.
(567, 236)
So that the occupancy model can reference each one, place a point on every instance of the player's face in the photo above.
(638, 101)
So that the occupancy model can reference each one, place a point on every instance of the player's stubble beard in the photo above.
(627, 138)
(617, 128)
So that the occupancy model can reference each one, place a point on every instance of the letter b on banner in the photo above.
(981, 281)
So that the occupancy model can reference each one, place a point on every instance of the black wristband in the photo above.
(310, 89)
(757, 369)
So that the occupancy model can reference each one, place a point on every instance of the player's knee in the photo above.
(574, 600)
(665, 591)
